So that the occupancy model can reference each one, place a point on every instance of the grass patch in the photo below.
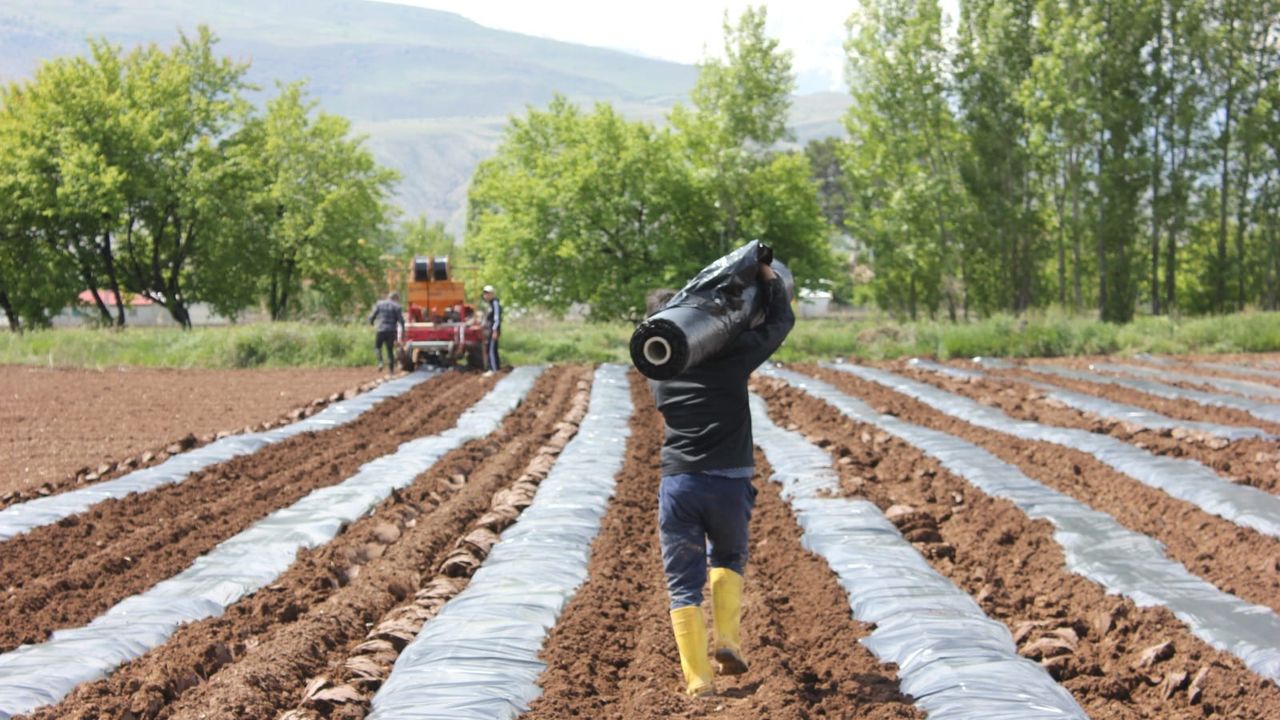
(537, 340)
(237, 346)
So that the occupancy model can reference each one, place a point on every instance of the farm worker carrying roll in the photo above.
(492, 328)
(705, 497)
(388, 316)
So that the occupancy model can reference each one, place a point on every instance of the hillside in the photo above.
(431, 89)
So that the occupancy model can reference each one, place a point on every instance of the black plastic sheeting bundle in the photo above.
(700, 320)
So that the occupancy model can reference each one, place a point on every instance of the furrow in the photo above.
(1096, 546)
(64, 575)
(37, 675)
(1185, 480)
(611, 655)
(25, 516)
(952, 658)
(1119, 659)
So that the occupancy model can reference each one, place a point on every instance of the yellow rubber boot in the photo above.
(726, 609)
(691, 639)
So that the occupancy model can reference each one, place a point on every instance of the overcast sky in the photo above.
(679, 30)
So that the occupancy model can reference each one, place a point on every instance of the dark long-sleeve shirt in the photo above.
(706, 408)
(386, 316)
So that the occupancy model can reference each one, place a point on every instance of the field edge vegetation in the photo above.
(544, 340)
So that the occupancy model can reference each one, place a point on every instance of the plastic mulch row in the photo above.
(21, 517)
(33, 676)
(1102, 407)
(1184, 479)
(953, 659)
(1260, 410)
(1094, 544)
(478, 658)
(1247, 388)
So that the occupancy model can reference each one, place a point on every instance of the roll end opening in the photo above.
(657, 351)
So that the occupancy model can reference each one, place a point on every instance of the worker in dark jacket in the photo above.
(705, 498)
(492, 328)
(386, 318)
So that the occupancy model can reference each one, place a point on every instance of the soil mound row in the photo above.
(257, 656)
(1117, 659)
(1249, 461)
(1221, 552)
(1096, 546)
(48, 510)
(66, 574)
(353, 675)
(952, 658)
(612, 655)
(1184, 479)
(59, 426)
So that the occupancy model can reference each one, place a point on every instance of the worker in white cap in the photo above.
(492, 330)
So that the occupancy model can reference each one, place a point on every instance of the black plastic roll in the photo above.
(700, 320)
(439, 268)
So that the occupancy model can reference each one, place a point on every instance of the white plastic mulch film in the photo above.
(1247, 388)
(21, 517)
(953, 659)
(1102, 407)
(1239, 369)
(1261, 410)
(33, 676)
(478, 658)
(1186, 480)
(1094, 544)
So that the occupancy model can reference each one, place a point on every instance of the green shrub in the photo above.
(535, 340)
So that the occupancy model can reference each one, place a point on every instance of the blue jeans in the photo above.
(702, 518)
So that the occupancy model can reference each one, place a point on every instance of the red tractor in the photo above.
(440, 328)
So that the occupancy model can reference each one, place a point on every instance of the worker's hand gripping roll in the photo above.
(700, 320)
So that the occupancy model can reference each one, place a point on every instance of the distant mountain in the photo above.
(432, 89)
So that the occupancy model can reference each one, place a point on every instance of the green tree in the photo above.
(184, 106)
(591, 208)
(727, 142)
(73, 139)
(827, 170)
(573, 209)
(319, 207)
(1126, 29)
(421, 236)
(904, 153)
(1178, 118)
(998, 45)
(34, 285)
(1061, 128)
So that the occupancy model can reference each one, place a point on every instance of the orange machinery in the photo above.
(440, 326)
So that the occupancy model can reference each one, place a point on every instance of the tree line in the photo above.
(149, 173)
(1093, 155)
(1097, 156)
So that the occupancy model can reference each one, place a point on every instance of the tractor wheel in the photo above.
(405, 360)
(475, 356)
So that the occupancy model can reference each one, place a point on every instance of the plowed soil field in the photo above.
(320, 639)
(57, 423)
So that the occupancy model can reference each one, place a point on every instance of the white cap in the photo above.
(488, 288)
